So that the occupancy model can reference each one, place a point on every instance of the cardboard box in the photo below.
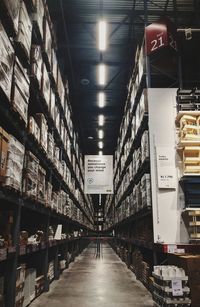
(36, 63)
(50, 146)
(38, 15)
(45, 85)
(143, 104)
(47, 39)
(7, 62)
(34, 129)
(13, 175)
(52, 104)
(30, 175)
(24, 34)
(4, 144)
(20, 90)
(41, 193)
(42, 124)
(60, 88)
(54, 65)
(13, 7)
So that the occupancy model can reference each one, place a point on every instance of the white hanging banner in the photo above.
(98, 174)
(165, 168)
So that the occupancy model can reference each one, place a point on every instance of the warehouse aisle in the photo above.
(91, 282)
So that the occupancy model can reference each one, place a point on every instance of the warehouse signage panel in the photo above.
(166, 168)
(98, 174)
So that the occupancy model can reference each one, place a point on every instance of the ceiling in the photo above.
(76, 26)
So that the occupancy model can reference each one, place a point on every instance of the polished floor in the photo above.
(96, 282)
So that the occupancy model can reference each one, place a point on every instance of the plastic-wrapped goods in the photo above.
(138, 197)
(137, 159)
(56, 156)
(52, 104)
(137, 119)
(24, 34)
(38, 16)
(48, 194)
(54, 65)
(34, 129)
(20, 90)
(133, 128)
(12, 7)
(144, 146)
(45, 85)
(146, 190)
(47, 39)
(50, 146)
(60, 88)
(6, 62)
(4, 145)
(36, 63)
(29, 286)
(41, 193)
(54, 200)
(42, 124)
(57, 118)
(62, 130)
(30, 175)
(13, 176)
(170, 286)
(143, 105)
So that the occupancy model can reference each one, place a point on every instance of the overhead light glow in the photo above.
(102, 74)
(101, 120)
(102, 35)
(100, 134)
(100, 152)
(101, 99)
(100, 145)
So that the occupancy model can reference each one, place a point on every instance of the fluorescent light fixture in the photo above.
(102, 74)
(101, 120)
(100, 145)
(101, 99)
(102, 35)
(100, 152)
(100, 134)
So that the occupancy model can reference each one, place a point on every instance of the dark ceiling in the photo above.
(76, 25)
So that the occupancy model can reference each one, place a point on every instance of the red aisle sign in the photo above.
(159, 35)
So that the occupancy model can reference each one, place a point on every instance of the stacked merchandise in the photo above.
(7, 59)
(140, 267)
(2, 292)
(14, 156)
(39, 287)
(188, 123)
(191, 265)
(29, 286)
(20, 281)
(32, 82)
(189, 140)
(30, 176)
(20, 91)
(51, 271)
(170, 287)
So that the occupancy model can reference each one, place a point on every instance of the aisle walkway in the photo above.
(91, 282)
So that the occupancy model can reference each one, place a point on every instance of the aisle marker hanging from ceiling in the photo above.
(98, 174)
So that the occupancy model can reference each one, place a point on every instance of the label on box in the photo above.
(177, 289)
(165, 168)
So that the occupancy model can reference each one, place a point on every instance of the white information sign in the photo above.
(177, 289)
(98, 174)
(165, 168)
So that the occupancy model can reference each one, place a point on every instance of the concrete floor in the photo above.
(91, 282)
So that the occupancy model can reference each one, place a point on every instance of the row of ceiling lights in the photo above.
(102, 29)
